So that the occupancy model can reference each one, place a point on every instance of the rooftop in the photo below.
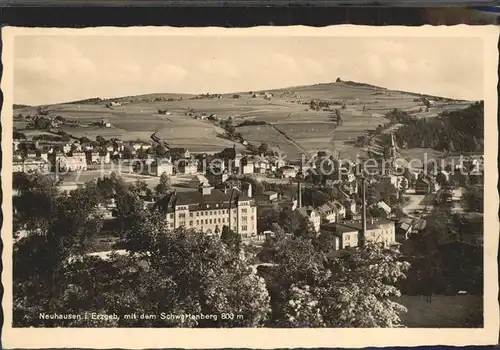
(357, 225)
(197, 198)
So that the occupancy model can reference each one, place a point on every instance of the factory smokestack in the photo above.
(363, 213)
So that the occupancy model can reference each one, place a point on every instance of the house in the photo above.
(377, 231)
(75, 162)
(115, 104)
(273, 199)
(287, 172)
(161, 166)
(332, 211)
(188, 166)
(384, 206)
(247, 165)
(311, 215)
(31, 165)
(208, 210)
(267, 196)
(404, 229)
(339, 208)
(327, 213)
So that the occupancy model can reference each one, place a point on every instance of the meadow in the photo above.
(292, 126)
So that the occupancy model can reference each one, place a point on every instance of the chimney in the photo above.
(363, 212)
(299, 195)
(249, 190)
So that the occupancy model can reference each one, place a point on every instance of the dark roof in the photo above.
(357, 225)
(198, 199)
(269, 193)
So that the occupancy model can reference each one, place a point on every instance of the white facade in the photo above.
(211, 218)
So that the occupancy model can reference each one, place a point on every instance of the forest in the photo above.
(450, 131)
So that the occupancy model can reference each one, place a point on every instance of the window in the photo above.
(171, 216)
(206, 221)
(219, 220)
(197, 214)
(244, 211)
(347, 237)
(223, 220)
(201, 213)
(216, 205)
(210, 221)
(190, 223)
(197, 222)
(244, 227)
(182, 216)
(190, 215)
(244, 218)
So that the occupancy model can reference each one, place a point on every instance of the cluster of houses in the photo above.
(33, 156)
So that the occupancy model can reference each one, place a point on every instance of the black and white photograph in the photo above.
(240, 179)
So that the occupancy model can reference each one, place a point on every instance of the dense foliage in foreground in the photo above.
(182, 272)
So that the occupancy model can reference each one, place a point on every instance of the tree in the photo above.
(141, 153)
(266, 217)
(201, 275)
(62, 232)
(164, 185)
(160, 150)
(339, 117)
(100, 140)
(231, 239)
(473, 198)
(263, 148)
(307, 287)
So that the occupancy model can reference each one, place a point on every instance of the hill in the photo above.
(297, 120)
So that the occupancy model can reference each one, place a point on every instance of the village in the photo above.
(203, 187)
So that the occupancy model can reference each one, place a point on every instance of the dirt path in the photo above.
(289, 139)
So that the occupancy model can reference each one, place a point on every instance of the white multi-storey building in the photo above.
(209, 210)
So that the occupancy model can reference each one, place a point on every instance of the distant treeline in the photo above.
(252, 122)
(87, 101)
(461, 130)
(20, 106)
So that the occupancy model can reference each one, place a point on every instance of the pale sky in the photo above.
(51, 69)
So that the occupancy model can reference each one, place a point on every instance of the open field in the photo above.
(443, 312)
(294, 128)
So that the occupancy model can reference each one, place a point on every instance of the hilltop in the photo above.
(297, 120)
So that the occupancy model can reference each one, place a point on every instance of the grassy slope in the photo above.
(310, 130)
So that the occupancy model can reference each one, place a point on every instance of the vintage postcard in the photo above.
(269, 187)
